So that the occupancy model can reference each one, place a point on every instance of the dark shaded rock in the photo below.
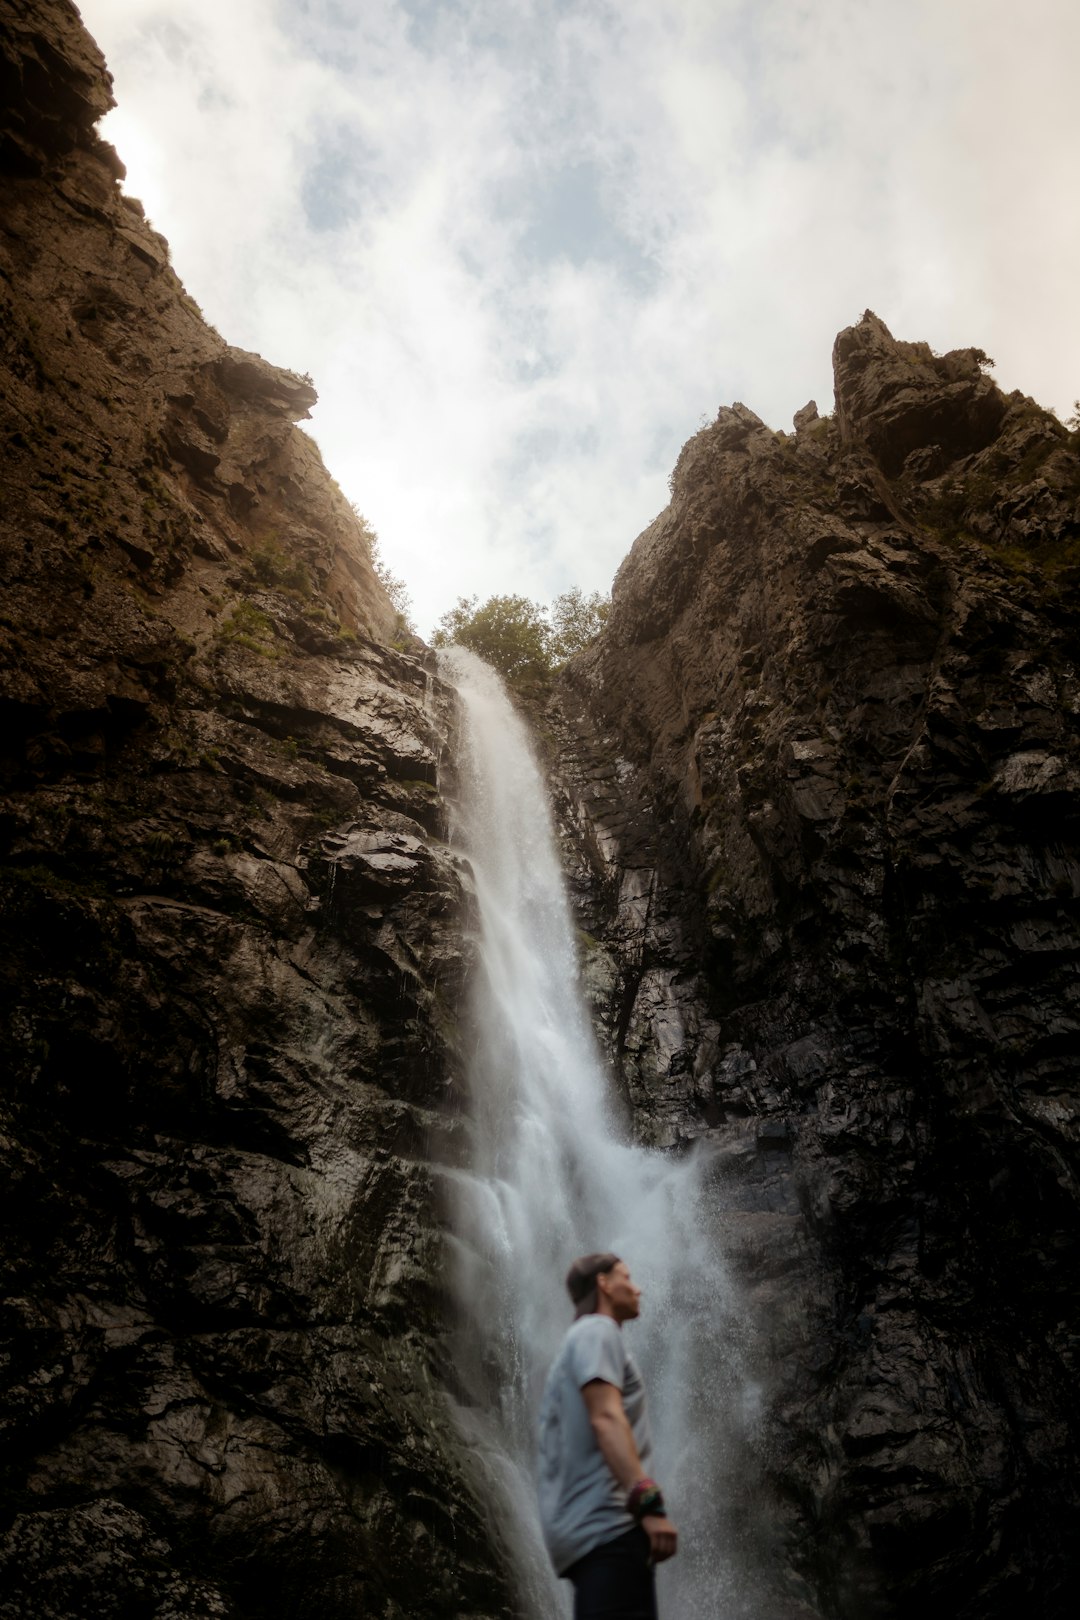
(101, 1559)
(229, 956)
(902, 400)
(53, 85)
(817, 783)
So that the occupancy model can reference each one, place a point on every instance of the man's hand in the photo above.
(663, 1537)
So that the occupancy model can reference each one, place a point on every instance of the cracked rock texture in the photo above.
(818, 790)
(229, 958)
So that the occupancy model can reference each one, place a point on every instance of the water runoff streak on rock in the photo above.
(548, 1175)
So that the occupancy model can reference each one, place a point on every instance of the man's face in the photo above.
(623, 1296)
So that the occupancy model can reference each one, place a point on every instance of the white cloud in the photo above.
(522, 245)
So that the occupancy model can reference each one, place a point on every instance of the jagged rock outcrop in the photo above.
(819, 796)
(229, 958)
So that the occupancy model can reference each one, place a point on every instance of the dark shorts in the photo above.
(615, 1581)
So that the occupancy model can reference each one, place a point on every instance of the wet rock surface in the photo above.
(230, 955)
(817, 782)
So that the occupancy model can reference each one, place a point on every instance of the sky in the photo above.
(526, 248)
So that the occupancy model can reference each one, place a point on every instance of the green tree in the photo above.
(508, 632)
(575, 620)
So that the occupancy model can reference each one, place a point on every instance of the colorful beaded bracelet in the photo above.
(646, 1498)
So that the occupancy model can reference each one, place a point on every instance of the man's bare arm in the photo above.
(615, 1437)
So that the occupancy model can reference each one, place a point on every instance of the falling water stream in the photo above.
(549, 1175)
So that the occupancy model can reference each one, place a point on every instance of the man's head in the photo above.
(601, 1283)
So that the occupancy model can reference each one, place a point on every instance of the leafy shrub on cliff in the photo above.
(575, 620)
(272, 566)
(392, 583)
(395, 588)
(247, 626)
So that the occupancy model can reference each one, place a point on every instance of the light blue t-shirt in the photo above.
(582, 1504)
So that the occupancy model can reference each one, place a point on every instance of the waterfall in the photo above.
(548, 1175)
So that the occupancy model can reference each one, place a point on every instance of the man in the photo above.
(604, 1519)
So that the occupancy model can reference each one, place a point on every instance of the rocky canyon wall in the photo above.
(229, 957)
(819, 801)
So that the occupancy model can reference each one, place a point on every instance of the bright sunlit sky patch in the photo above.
(525, 246)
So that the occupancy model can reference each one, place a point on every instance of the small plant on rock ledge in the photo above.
(247, 626)
(273, 567)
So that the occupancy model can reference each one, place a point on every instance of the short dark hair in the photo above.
(581, 1280)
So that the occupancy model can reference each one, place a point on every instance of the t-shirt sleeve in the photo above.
(597, 1352)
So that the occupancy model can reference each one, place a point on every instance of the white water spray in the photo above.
(548, 1176)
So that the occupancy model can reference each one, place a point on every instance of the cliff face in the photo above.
(229, 946)
(819, 797)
